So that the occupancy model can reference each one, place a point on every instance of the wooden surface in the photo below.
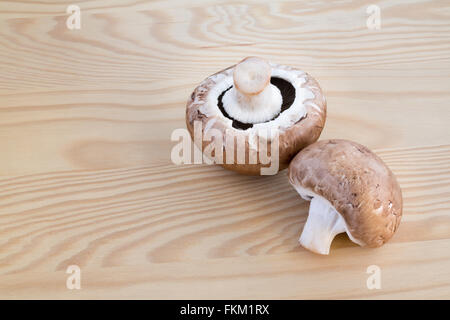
(86, 177)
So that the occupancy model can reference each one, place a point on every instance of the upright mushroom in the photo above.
(351, 190)
(252, 98)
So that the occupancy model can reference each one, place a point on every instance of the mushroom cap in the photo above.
(358, 184)
(296, 131)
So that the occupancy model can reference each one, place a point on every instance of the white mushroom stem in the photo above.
(253, 98)
(322, 225)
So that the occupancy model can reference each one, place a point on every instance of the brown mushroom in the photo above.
(256, 101)
(351, 190)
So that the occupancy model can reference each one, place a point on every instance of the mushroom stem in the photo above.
(251, 79)
(253, 102)
(253, 98)
(322, 225)
(251, 76)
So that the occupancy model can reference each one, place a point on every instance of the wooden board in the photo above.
(85, 172)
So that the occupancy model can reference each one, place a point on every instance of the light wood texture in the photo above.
(85, 170)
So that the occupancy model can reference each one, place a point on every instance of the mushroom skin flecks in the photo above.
(352, 191)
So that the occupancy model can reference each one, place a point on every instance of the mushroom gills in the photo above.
(322, 225)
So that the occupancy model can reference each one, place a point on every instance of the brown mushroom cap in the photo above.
(291, 139)
(357, 183)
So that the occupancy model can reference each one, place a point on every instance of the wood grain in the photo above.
(85, 170)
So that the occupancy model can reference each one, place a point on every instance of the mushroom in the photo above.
(256, 101)
(351, 190)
